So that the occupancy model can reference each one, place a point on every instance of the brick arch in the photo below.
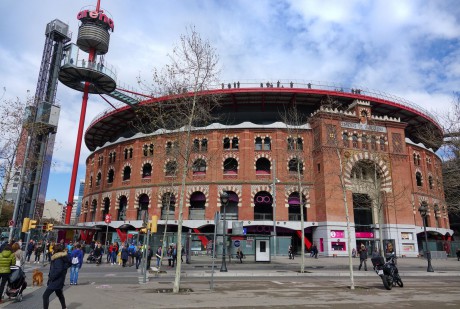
(119, 195)
(167, 161)
(192, 189)
(91, 205)
(230, 155)
(85, 204)
(139, 192)
(293, 156)
(144, 163)
(103, 197)
(200, 156)
(256, 189)
(234, 188)
(164, 190)
(108, 170)
(293, 189)
(123, 169)
(295, 137)
(263, 137)
(382, 166)
(263, 155)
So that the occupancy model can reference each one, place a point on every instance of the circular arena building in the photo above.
(353, 151)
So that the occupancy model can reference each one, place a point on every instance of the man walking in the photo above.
(363, 257)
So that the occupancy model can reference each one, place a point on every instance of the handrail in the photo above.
(312, 84)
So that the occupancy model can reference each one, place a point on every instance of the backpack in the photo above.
(131, 250)
(75, 260)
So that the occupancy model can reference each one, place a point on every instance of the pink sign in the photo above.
(364, 235)
(337, 234)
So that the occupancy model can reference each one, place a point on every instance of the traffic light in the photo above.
(143, 230)
(25, 225)
(32, 224)
(154, 224)
(49, 226)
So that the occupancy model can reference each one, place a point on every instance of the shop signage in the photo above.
(364, 235)
(337, 234)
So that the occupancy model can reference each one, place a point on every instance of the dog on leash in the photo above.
(37, 277)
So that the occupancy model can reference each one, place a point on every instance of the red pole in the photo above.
(76, 158)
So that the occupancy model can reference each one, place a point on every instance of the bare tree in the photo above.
(11, 121)
(193, 68)
(295, 121)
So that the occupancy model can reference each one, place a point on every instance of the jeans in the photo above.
(4, 278)
(74, 269)
(46, 298)
(114, 257)
(138, 261)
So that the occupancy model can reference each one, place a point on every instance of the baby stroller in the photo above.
(93, 259)
(16, 283)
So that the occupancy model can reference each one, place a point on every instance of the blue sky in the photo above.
(406, 48)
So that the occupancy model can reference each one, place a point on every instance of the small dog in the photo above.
(37, 277)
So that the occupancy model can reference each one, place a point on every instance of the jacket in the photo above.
(7, 259)
(363, 254)
(79, 254)
(124, 253)
(58, 270)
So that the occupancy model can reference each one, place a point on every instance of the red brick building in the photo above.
(366, 146)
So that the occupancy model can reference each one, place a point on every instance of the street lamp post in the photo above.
(224, 202)
(423, 212)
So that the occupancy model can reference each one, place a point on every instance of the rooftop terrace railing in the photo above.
(309, 84)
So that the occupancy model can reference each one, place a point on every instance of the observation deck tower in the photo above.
(84, 69)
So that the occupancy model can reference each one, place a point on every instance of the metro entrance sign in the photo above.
(108, 218)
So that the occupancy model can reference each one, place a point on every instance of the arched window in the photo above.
(263, 206)
(364, 141)
(90, 181)
(199, 167)
(127, 173)
(110, 175)
(230, 166)
(430, 181)
(171, 168)
(126, 153)
(145, 150)
(168, 147)
(93, 210)
(106, 208)
(354, 140)
(168, 206)
(147, 170)
(204, 145)
(295, 165)
(345, 140)
(294, 207)
(235, 143)
(382, 144)
(290, 144)
(373, 143)
(418, 159)
(143, 210)
(258, 144)
(299, 143)
(196, 145)
(151, 149)
(263, 166)
(415, 159)
(418, 177)
(98, 179)
(231, 210)
(226, 143)
(267, 143)
(197, 206)
(122, 205)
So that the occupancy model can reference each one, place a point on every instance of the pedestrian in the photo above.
(124, 255)
(114, 252)
(18, 254)
(182, 253)
(158, 255)
(58, 270)
(363, 257)
(458, 254)
(314, 250)
(77, 262)
(353, 252)
(174, 255)
(291, 252)
(98, 253)
(239, 255)
(38, 251)
(170, 256)
(30, 249)
(149, 256)
(7, 259)
(131, 254)
(138, 256)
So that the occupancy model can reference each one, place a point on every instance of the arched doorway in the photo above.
(123, 204)
(143, 210)
(231, 211)
(263, 209)
(294, 207)
(197, 206)
(93, 210)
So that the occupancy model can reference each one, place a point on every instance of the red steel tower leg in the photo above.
(81, 124)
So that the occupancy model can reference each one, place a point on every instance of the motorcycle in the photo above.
(387, 271)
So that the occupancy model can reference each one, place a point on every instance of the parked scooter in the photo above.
(387, 271)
